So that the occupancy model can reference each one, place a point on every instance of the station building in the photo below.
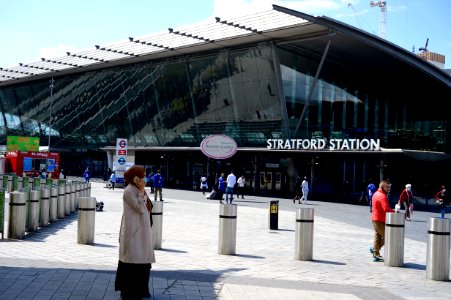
(301, 95)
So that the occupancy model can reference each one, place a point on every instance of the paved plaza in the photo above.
(49, 264)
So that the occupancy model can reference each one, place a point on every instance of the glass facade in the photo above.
(253, 93)
(180, 102)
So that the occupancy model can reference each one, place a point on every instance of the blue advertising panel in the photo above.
(27, 163)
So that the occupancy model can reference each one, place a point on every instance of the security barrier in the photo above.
(227, 228)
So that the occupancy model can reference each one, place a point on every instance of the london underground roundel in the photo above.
(218, 146)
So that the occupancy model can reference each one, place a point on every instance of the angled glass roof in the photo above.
(213, 33)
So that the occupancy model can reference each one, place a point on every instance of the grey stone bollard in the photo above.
(33, 211)
(437, 255)
(227, 229)
(86, 220)
(67, 199)
(45, 207)
(157, 228)
(61, 201)
(72, 197)
(16, 223)
(394, 239)
(53, 209)
(304, 234)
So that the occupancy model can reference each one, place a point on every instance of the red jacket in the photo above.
(380, 206)
(405, 196)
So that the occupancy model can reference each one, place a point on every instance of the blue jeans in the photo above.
(229, 191)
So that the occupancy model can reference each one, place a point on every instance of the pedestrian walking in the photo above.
(305, 191)
(158, 185)
(87, 175)
(441, 200)
(231, 181)
(113, 180)
(297, 190)
(406, 198)
(380, 207)
(136, 252)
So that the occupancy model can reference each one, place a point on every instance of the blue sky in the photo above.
(31, 29)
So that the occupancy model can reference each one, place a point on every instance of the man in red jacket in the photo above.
(380, 208)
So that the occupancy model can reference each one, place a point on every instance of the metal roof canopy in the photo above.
(208, 35)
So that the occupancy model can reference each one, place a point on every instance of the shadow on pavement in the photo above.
(415, 266)
(328, 262)
(171, 250)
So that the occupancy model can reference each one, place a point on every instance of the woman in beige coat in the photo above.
(136, 253)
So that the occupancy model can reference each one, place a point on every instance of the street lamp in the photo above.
(50, 111)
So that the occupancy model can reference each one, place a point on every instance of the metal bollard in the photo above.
(77, 194)
(274, 215)
(5, 182)
(72, 197)
(2, 210)
(394, 239)
(1, 181)
(437, 257)
(53, 209)
(33, 211)
(9, 186)
(157, 228)
(61, 201)
(67, 200)
(25, 182)
(88, 186)
(86, 220)
(16, 224)
(36, 182)
(227, 229)
(304, 234)
(45, 207)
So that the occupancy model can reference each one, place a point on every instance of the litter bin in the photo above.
(273, 215)
(86, 220)
(227, 229)
(16, 223)
(304, 234)
(394, 239)
(157, 227)
(437, 256)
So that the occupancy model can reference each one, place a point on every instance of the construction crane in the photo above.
(425, 48)
(382, 26)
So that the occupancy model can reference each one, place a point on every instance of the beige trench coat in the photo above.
(135, 238)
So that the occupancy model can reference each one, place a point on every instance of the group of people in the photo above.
(225, 185)
(379, 206)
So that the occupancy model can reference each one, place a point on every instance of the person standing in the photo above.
(136, 252)
(113, 180)
(241, 184)
(43, 174)
(87, 175)
(297, 190)
(406, 198)
(150, 181)
(371, 190)
(158, 185)
(305, 191)
(441, 200)
(231, 181)
(380, 207)
(221, 187)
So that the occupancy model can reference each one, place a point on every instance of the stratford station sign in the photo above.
(324, 144)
